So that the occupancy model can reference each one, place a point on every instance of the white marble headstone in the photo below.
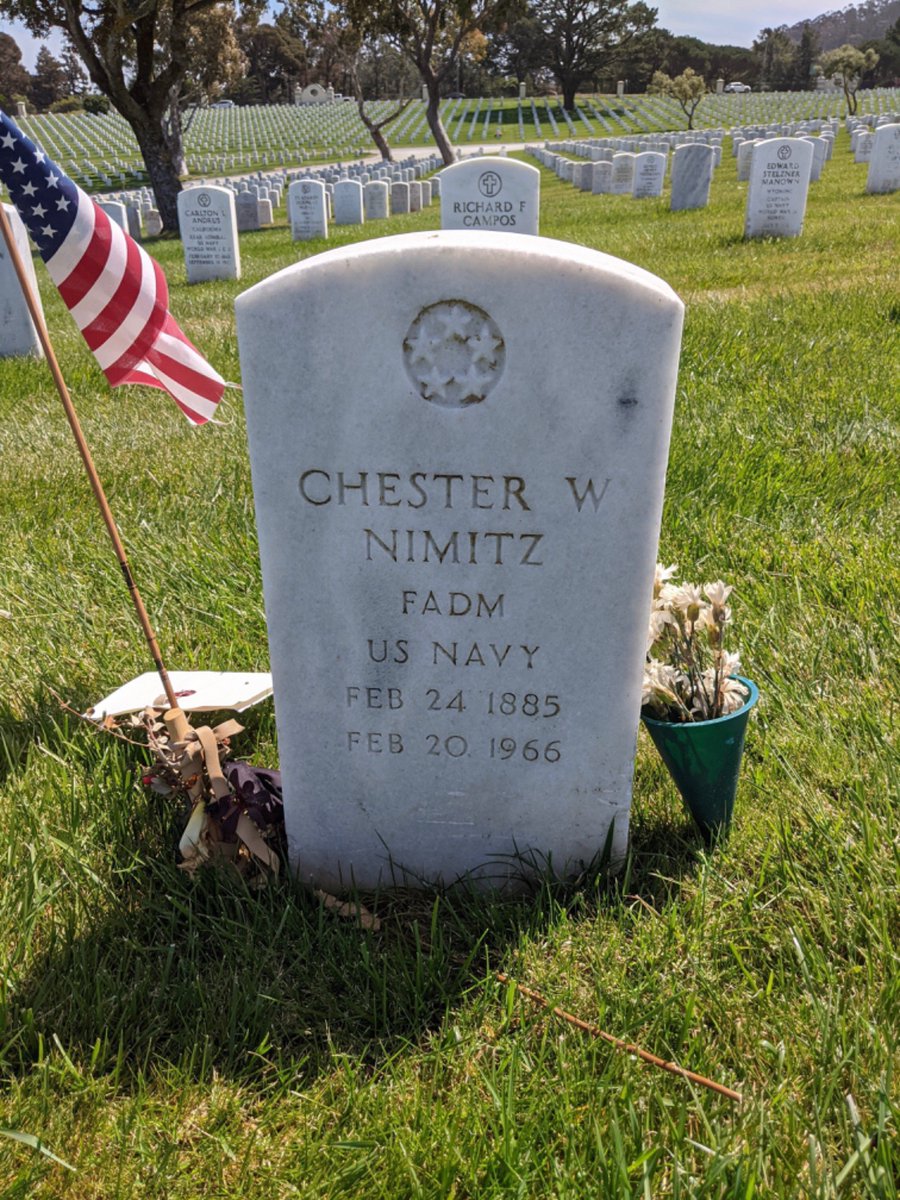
(308, 209)
(649, 175)
(348, 202)
(491, 193)
(692, 172)
(17, 333)
(779, 183)
(115, 210)
(208, 226)
(458, 495)
(884, 163)
(246, 209)
(622, 177)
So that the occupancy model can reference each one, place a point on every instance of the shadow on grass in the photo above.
(140, 965)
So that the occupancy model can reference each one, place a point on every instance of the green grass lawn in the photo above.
(173, 1039)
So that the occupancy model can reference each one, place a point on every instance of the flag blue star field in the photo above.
(115, 291)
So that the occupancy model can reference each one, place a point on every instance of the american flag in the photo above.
(115, 291)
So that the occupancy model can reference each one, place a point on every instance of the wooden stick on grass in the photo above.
(628, 1047)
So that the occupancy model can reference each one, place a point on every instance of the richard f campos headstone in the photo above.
(458, 495)
(491, 193)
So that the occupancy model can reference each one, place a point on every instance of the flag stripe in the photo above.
(141, 300)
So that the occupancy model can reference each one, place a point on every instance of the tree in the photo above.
(276, 60)
(586, 38)
(14, 79)
(850, 65)
(48, 83)
(688, 89)
(138, 53)
(375, 128)
(805, 56)
(76, 80)
(775, 53)
(888, 51)
(431, 34)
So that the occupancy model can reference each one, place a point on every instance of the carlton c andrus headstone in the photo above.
(458, 494)
(491, 193)
(208, 225)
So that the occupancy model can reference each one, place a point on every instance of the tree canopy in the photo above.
(143, 55)
(848, 64)
(584, 39)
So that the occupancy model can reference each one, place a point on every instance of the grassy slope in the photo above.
(175, 1040)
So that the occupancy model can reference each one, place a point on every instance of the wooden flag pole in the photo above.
(84, 451)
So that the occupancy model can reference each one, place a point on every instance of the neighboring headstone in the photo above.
(264, 209)
(246, 208)
(884, 164)
(133, 215)
(601, 180)
(458, 444)
(491, 193)
(779, 183)
(622, 176)
(18, 335)
(415, 196)
(399, 198)
(649, 175)
(692, 172)
(376, 196)
(115, 210)
(308, 209)
(208, 226)
(348, 203)
(153, 223)
(744, 159)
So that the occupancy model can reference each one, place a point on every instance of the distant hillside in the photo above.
(855, 24)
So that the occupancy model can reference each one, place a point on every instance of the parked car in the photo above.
(737, 87)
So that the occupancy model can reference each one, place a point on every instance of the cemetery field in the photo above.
(170, 1038)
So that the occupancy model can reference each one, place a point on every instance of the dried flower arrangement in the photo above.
(689, 675)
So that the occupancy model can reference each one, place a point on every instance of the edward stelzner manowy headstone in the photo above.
(458, 494)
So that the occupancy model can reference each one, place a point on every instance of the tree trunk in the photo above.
(381, 144)
(436, 125)
(162, 168)
(569, 96)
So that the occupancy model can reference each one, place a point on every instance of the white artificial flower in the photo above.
(688, 600)
(659, 619)
(662, 576)
(717, 593)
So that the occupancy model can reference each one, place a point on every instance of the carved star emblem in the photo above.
(421, 346)
(434, 384)
(483, 346)
(455, 321)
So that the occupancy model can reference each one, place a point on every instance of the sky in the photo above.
(723, 22)
(733, 22)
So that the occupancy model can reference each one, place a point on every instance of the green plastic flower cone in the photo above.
(704, 760)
